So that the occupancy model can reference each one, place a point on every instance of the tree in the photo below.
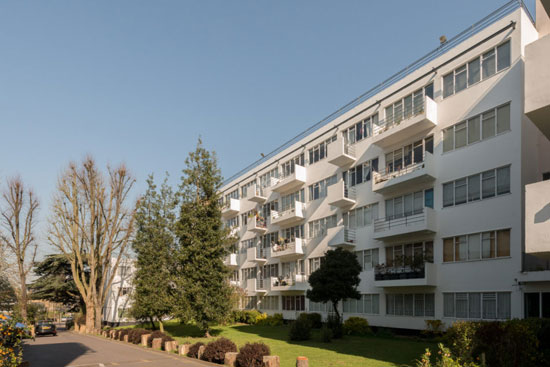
(55, 282)
(154, 244)
(336, 279)
(205, 295)
(92, 225)
(7, 294)
(17, 221)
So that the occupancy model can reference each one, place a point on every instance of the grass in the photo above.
(370, 351)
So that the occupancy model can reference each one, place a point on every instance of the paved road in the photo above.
(69, 349)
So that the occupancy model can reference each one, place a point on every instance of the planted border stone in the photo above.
(183, 349)
(125, 338)
(230, 359)
(144, 339)
(171, 346)
(271, 361)
(201, 352)
(157, 343)
(302, 362)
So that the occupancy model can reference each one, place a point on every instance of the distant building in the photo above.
(118, 300)
(430, 178)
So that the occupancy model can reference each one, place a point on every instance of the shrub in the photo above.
(300, 329)
(261, 318)
(334, 323)
(249, 317)
(275, 320)
(252, 354)
(215, 350)
(158, 334)
(315, 320)
(194, 350)
(326, 334)
(134, 335)
(122, 333)
(444, 360)
(357, 326)
(433, 328)
(460, 339)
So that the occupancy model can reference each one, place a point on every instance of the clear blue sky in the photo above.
(139, 81)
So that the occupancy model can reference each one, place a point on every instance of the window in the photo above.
(486, 305)
(292, 233)
(319, 151)
(360, 173)
(320, 307)
(232, 222)
(250, 303)
(314, 264)
(409, 204)
(266, 178)
(408, 155)
(289, 201)
(248, 273)
(288, 167)
(232, 195)
(397, 255)
(490, 183)
(486, 245)
(367, 304)
(269, 303)
(360, 130)
(367, 258)
(410, 304)
(245, 187)
(318, 228)
(361, 217)
(481, 67)
(483, 126)
(271, 270)
(294, 303)
(537, 304)
(319, 189)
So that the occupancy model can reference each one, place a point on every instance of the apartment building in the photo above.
(426, 178)
(118, 300)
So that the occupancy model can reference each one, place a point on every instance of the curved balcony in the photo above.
(341, 154)
(256, 255)
(341, 236)
(291, 182)
(419, 172)
(340, 195)
(398, 128)
(257, 224)
(231, 261)
(289, 250)
(231, 208)
(295, 282)
(423, 222)
(289, 217)
(257, 194)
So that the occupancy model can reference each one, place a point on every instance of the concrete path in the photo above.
(69, 349)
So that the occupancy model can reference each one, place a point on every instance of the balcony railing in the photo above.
(341, 153)
(341, 195)
(405, 220)
(391, 121)
(385, 175)
(288, 248)
(399, 272)
(290, 282)
(420, 274)
(289, 216)
(420, 221)
(257, 193)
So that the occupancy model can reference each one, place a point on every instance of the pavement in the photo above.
(69, 349)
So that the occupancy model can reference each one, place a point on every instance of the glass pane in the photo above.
(488, 184)
(408, 204)
(429, 304)
(448, 139)
(488, 124)
(503, 180)
(503, 243)
(460, 191)
(448, 253)
(448, 305)
(473, 71)
(503, 118)
(488, 244)
(429, 144)
(460, 79)
(503, 305)
(448, 194)
(429, 198)
(407, 155)
(429, 90)
(475, 305)
(448, 85)
(473, 188)
(461, 305)
(389, 115)
(460, 135)
(532, 305)
(474, 246)
(408, 304)
(473, 129)
(488, 67)
(503, 54)
(407, 106)
(398, 207)
(461, 248)
(489, 305)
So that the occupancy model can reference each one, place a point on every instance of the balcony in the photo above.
(420, 172)
(231, 261)
(398, 128)
(537, 80)
(257, 224)
(256, 286)
(256, 255)
(341, 236)
(234, 283)
(291, 182)
(295, 282)
(257, 194)
(340, 195)
(231, 208)
(288, 250)
(421, 222)
(289, 217)
(406, 276)
(340, 153)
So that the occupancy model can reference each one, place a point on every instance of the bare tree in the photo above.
(92, 226)
(19, 206)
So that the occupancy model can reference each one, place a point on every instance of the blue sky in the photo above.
(138, 81)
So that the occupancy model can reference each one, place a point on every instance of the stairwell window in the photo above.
(477, 246)
(480, 68)
(318, 228)
(361, 130)
(319, 189)
(368, 258)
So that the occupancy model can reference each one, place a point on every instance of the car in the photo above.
(45, 328)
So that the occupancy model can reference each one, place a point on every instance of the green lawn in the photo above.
(349, 352)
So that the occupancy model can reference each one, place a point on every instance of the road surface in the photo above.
(69, 349)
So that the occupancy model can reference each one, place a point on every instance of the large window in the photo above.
(294, 303)
(292, 233)
(320, 307)
(480, 68)
(368, 258)
(477, 305)
(271, 270)
(319, 189)
(288, 167)
(250, 303)
(289, 201)
(361, 217)
(245, 187)
(480, 127)
(410, 204)
(367, 304)
(408, 304)
(265, 179)
(319, 151)
(401, 255)
(315, 263)
(248, 273)
(477, 187)
(269, 303)
(477, 246)
(537, 304)
(360, 173)
(318, 228)
(408, 106)
(232, 195)
(361, 130)
(232, 222)
(408, 155)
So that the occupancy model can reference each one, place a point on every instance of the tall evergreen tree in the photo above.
(202, 276)
(153, 293)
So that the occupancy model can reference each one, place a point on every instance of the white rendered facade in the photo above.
(118, 300)
(457, 255)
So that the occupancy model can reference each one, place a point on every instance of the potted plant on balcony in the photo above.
(418, 265)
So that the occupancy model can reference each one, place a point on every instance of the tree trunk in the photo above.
(152, 323)
(98, 316)
(23, 300)
(161, 325)
(335, 307)
(90, 319)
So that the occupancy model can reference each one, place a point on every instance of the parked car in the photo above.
(45, 328)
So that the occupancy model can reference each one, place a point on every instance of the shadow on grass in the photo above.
(388, 349)
(181, 330)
